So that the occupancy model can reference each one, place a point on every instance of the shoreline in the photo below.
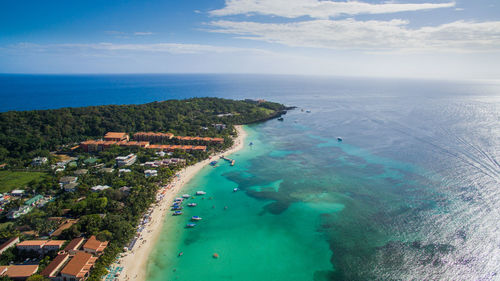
(135, 262)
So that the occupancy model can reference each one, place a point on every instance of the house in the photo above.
(219, 126)
(63, 226)
(150, 173)
(71, 187)
(17, 192)
(52, 270)
(124, 171)
(81, 172)
(114, 136)
(39, 161)
(106, 170)
(67, 180)
(74, 245)
(98, 188)
(126, 160)
(19, 272)
(33, 201)
(94, 246)
(78, 267)
(125, 189)
(9, 244)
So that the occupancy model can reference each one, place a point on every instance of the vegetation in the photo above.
(26, 134)
(10, 180)
(112, 214)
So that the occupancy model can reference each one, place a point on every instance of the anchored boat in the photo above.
(200, 193)
(191, 204)
(196, 218)
(190, 225)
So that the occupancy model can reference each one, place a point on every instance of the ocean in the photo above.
(410, 193)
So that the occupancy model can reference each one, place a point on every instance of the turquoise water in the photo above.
(410, 194)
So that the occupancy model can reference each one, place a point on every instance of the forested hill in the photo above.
(25, 134)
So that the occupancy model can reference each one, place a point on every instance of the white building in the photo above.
(126, 160)
(39, 161)
(150, 173)
(99, 188)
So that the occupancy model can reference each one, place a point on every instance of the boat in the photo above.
(308, 111)
(176, 204)
(235, 189)
(339, 139)
(190, 225)
(213, 163)
(186, 196)
(196, 218)
(251, 143)
(215, 256)
(280, 119)
(176, 208)
(191, 204)
(178, 199)
(181, 253)
(200, 193)
(177, 213)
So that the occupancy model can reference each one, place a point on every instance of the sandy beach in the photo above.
(134, 262)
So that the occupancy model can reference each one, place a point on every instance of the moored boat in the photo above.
(196, 218)
(186, 196)
(213, 163)
(339, 139)
(200, 192)
(235, 189)
(177, 213)
(191, 204)
(190, 225)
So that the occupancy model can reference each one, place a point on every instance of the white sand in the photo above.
(135, 262)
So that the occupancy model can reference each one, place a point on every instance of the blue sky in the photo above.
(407, 38)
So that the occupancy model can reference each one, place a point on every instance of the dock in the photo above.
(232, 161)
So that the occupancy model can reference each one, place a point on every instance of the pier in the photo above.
(232, 161)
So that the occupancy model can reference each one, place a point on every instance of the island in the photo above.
(81, 186)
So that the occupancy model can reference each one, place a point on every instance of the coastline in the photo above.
(134, 262)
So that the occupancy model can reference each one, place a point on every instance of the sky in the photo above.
(440, 39)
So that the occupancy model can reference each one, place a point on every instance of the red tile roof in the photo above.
(21, 271)
(52, 269)
(79, 265)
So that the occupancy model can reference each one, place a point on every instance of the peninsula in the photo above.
(82, 185)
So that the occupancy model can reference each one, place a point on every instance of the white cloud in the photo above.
(172, 48)
(318, 9)
(143, 33)
(370, 35)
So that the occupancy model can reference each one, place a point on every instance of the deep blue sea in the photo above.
(411, 193)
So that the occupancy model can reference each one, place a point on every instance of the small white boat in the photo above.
(178, 199)
(186, 196)
(200, 192)
(191, 204)
(235, 189)
(190, 225)
(196, 218)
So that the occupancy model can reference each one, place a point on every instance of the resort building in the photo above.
(126, 160)
(94, 246)
(124, 171)
(52, 270)
(18, 272)
(81, 172)
(74, 245)
(114, 136)
(9, 244)
(40, 246)
(153, 137)
(78, 267)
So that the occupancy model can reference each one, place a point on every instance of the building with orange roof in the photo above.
(78, 267)
(94, 246)
(52, 270)
(40, 246)
(20, 272)
(53, 245)
(8, 244)
(115, 136)
(74, 245)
